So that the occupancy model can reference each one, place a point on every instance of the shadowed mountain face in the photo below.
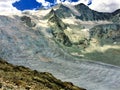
(64, 11)
(91, 15)
(99, 32)
(116, 12)
(86, 14)
(78, 45)
(58, 22)
(58, 27)
(107, 34)
(116, 18)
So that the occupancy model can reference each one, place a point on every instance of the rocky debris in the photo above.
(106, 34)
(27, 20)
(22, 78)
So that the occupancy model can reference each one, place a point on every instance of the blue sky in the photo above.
(26, 4)
(18, 5)
(33, 4)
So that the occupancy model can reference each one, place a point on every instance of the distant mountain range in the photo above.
(83, 12)
(104, 28)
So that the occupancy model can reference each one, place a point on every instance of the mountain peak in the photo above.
(81, 11)
(51, 13)
(63, 11)
(116, 12)
(82, 6)
(62, 5)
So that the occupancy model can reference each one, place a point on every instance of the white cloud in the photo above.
(81, 1)
(44, 3)
(100, 5)
(6, 6)
(105, 5)
(58, 1)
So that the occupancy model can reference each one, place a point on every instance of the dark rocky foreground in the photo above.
(21, 78)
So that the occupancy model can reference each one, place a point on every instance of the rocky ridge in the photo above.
(85, 13)
(88, 27)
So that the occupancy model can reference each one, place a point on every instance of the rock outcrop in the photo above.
(63, 11)
(27, 20)
(106, 34)
(90, 15)
(58, 27)
(116, 18)
(85, 13)
(57, 22)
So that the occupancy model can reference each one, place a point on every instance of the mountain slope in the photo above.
(81, 30)
(116, 17)
(63, 11)
(90, 15)
(32, 41)
(82, 12)
(116, 12)
(107, 34)
(21, 78)
(58, 27)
